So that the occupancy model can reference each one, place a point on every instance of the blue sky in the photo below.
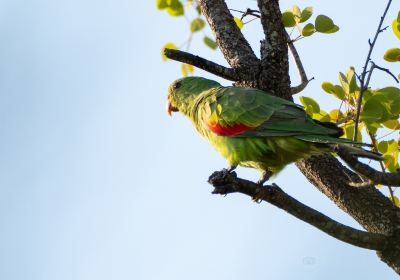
(97, 182)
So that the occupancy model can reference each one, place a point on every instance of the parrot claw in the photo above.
(225, 172)
(229, 170)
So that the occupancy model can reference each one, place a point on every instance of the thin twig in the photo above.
(225, 183)
(300, 67)
(387, 71)
(364, 83)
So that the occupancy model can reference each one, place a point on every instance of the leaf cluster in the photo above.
(295, 16)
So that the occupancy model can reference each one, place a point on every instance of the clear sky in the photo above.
(97, 182)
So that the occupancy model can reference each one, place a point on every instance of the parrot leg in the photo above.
(264, 177)
(231, 168)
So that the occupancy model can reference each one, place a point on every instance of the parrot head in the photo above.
(183, 92)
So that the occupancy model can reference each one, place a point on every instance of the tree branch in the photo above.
(234, 46)
(388, 179)
(225, 183)
(300, 68)
(387, 71)
(199, 62)
(364, 83)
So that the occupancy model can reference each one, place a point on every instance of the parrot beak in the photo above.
(171, 108)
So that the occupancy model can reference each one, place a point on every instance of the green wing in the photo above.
(244, 112)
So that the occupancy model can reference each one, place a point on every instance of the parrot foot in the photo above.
(264, 178)
(229, 170)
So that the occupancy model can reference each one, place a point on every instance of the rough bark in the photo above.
(274, 52)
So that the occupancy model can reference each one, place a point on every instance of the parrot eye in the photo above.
(177, 85)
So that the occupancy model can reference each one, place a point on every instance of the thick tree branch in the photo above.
(368, 206)
(234, 46)
(388, 179)
(225, 183)
(274, 52)
(199, 62)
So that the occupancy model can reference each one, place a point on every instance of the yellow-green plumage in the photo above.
(250, 127)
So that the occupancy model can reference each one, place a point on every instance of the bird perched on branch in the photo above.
(253, 128)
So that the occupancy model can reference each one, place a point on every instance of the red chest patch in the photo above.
(233, 130)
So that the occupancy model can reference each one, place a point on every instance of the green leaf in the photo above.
(396, 27)
(372, 127)
(392, 55)
(306, 14)
(325, 24)
(161, 4)
(339, 92)
(392, 124)
(309, 110)
(210, 42)
(186, 69)
(308, 101)
(288, 19)
(167, 46)
(308, 30)
(351, 79)
(390, 150)
(328, 87)
(391, 98)
(336, 115)
(175, 8)
(197, 24)
(376, 109)
(344, 82)
(336, 90)
(198, 9)
(238, 22)
(322, 116)
(349, 132)
(296, 13)
(372, 111)
(383, 147)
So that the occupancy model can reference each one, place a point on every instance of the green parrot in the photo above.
(253, 128)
